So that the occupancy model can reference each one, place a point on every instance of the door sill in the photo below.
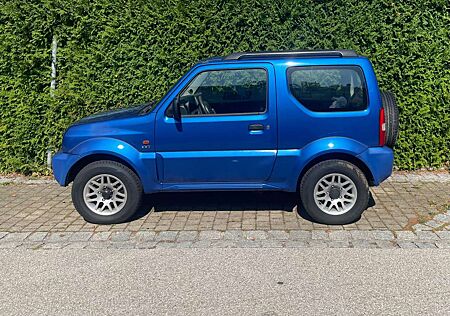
(224, 186)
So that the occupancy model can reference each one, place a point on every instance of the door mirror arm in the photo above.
(176, 108)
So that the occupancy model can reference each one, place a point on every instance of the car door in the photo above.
(227, 132)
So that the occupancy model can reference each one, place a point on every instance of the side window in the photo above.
(329, 88)
(238, 91)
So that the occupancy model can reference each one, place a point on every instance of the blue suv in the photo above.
(313, 122)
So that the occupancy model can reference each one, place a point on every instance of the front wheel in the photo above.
(334, 192)
(106, 192)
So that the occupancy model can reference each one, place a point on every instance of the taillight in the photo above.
(382, 135)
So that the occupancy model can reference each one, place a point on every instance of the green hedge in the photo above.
(116, 53)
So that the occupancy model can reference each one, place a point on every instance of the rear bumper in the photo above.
(380, 161)
(61, 164)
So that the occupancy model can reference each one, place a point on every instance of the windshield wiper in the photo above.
(147, 107)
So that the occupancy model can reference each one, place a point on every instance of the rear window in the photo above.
(329, 88)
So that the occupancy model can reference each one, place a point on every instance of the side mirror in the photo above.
(176, 108)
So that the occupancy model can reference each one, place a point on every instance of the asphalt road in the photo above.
(225, 281)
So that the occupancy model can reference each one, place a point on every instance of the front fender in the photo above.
(143, 163)
(290, 162)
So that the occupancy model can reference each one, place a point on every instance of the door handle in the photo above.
(256, 127)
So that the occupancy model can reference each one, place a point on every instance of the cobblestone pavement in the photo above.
(408, 210)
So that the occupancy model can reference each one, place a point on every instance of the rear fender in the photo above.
(290, 163)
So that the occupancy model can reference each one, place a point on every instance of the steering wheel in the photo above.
(206, 108)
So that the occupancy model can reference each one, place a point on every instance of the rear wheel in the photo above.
(106, 192)
(334, 192)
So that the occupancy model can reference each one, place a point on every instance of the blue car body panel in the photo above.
(219, 152)
(61, 164)
(218, 148)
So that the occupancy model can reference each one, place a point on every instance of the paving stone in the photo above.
(100, 236)
(77, 245)
(271, 243)
(32, 245)
(296, 244)
(426, 235)
(121, 245)
(80, 236)
(146, 245)
(361, 234)
(120, 236)
(442, 218)
(385, 244)
(399, 200)
(318, 243)
(433, 224)
(443, 234)
(233, 235)
(57, 237)
(98, 244)
(184, 244)
(319, 235)
(362, 243)
(210, 235)
(405, 235)
(382, 235)
(187, 236)
(145, 236)
(224, 244)
(201, 244)
(341, 235)
(425, 245)
(407, 244)
(300, 235)
(278, 234)
(420, 227)
(338, 244)
(443, 244)
(54, 245)
(166, 236)
(166, 244)
(255, 235)
(10, 244)
(15, 237)
(37, 236)
(245, 243)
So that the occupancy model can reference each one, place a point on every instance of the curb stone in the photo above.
(37, 236)
(57, 237)
(100, 236)
(405, 235)
(227, 239)
(120, 236)
(15, 237)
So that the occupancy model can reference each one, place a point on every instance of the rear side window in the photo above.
(329, 88)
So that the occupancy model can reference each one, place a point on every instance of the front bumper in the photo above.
(380, 161)
(61, 165)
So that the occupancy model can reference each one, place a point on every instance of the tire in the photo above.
(115, 184)
(322, 173)
(391, 115)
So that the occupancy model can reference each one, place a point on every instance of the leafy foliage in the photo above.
(117, 53)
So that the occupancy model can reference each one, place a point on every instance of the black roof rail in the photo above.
(294, 53)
